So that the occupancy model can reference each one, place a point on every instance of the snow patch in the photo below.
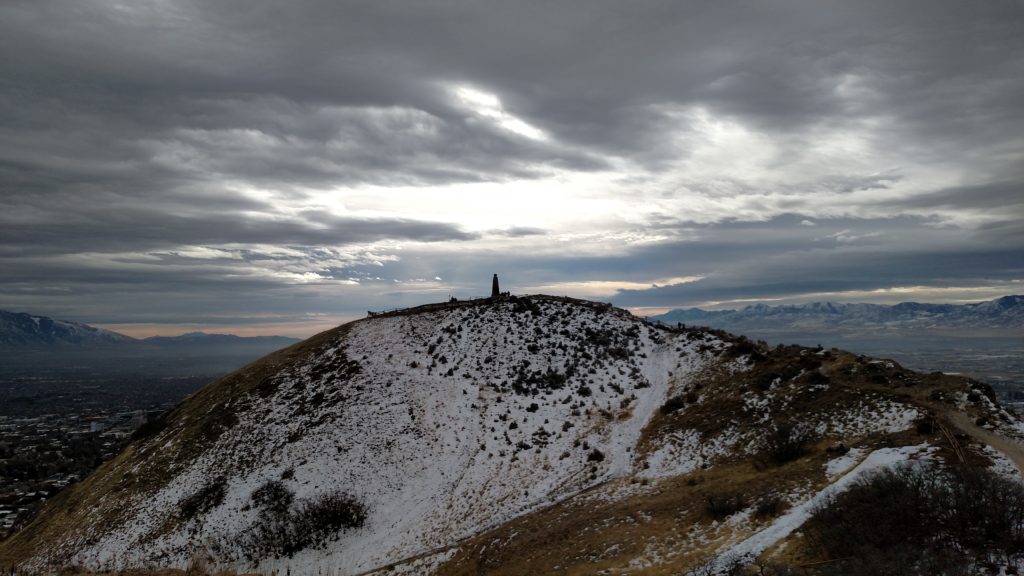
(684, 452)
(867, 417)
(843, 463)
(784, 525)
(1001, 464)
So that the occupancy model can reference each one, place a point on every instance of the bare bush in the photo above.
(673, 404)
(786, 442)
(920, 520)
(273, 497)
(720, 506)
(203, 500)
(312, 523)
(769, 506)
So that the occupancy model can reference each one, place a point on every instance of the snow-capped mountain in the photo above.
(521, 435)
(20, 329)
(1004, 313)
(37, 345)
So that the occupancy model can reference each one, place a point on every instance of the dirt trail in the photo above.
(1011, 448)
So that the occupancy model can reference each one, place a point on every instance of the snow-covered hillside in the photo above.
(441, 423)
(435, 439)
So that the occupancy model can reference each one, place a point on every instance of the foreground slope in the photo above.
(441, 423)
(527, 435)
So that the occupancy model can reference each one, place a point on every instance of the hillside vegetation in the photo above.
(532, 435)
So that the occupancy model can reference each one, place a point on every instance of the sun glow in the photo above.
(488, 106)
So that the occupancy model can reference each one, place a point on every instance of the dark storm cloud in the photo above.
(90, 225)
(591, 77)
(131, 133)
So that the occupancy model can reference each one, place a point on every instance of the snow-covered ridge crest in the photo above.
(441, 423)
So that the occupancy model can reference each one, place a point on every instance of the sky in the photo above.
(267, 167)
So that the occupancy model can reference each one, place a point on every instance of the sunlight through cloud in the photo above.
(488, 106)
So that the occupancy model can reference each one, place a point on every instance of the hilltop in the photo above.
(520, 435)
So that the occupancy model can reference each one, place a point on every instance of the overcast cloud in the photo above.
(288, 165)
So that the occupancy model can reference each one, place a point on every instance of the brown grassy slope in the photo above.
(195, 423)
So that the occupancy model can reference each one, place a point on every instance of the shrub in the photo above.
(741, 347)
(769, 506)
(925, 426)
(673, 404)
(618, 352)
(312, 523)
(920, 520)
(786, 442)
(816, 377)
(720, 506)
(765, 381)
(595, 456)
(203, 500)
(325, 515)
(273, 497)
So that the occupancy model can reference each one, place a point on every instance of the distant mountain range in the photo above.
(19, 330)
(41, 347)
(1003, 313)
(191, 338)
